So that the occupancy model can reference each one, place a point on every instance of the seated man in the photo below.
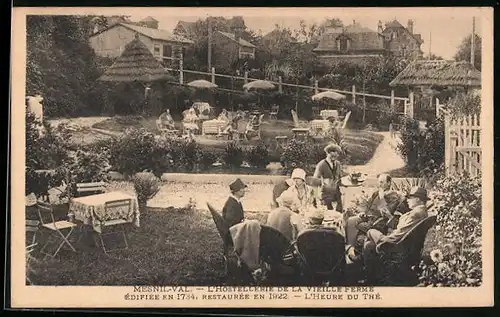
(417, 199)
(232, 212)
(383, 205)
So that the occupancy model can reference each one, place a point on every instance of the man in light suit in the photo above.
(233, 209)
(417, 199)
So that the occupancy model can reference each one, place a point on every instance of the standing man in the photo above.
(233, 209)
(329, 170)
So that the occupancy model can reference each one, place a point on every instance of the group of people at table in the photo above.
(191, 119)
(298, 206)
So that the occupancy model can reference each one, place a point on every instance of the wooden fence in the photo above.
(211, 76)
(462, 144)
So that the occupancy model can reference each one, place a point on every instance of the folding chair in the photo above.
(273, 114)
(321, 254)
(87, 189)
(32, 227)
(29, 259)
(55, 228)
(113, 208)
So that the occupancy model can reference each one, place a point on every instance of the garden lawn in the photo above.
(360, 144)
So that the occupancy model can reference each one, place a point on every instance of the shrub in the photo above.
(456, 259)
(258, 155)
(146, 186)
(422, 150)
(206, 158)
(233, 155)
(137, 150)
(296, 154)
(184, 154)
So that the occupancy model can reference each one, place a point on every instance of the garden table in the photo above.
(347, 182)
(213, 126)
(320, 126)
(300, 132)
(85, 207)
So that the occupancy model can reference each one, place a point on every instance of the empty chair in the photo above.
(87, 189)
(321, 255)
(58, 232)
(116, 226)
(273, 114)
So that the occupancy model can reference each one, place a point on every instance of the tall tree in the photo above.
(464, 50)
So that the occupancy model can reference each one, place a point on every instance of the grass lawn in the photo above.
(172, 247)
(361, 144)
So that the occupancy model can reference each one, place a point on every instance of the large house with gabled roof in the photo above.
(400, 40)
(165, 46)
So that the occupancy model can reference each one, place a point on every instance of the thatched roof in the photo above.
(136, 63)
(438, 73)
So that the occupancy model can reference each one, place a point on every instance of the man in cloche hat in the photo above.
(233, 209)
(417, 199)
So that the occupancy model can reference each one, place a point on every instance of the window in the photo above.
(394, 35)
(344, 44)
(167, 50)
(156, 50)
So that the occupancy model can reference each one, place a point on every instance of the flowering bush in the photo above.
(233, 155)
(456, 259)
(258, 155)
(146, 186)
(422, 150)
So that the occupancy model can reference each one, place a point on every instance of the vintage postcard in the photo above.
(241, 157)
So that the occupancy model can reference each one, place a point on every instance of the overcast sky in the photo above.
(444, 28)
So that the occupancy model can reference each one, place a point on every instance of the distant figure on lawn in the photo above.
(167, 120)
(329, 170)
(233, 209)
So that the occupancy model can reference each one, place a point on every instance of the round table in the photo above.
(346, 181)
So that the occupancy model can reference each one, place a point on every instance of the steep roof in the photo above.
(149, 19)
(186, 25)
(438, 73)
(136, 63)
(156, 34)
(394, 24)
(355, 32)
(242, 42)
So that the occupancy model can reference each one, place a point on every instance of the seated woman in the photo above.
(167, 120)
(232, 126)
(223, 116)
(284, 217)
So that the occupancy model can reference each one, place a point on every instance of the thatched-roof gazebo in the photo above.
(438, 73)
(431, 78)
(136, 65)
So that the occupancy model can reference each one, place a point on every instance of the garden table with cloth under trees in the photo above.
(86, 207)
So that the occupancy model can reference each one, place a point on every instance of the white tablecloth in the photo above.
(325, 114)
(320, 125)
(213, 126)
(83, 207)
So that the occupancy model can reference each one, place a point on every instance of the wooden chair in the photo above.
(29, 259)
(273, 114)
(230, 258)
(397, 259)
(112, 208)
(254, 128)
(165, 129)
(321, 254)
(87, 189)
(316, 112)
(32, 227)
(55, 229)
(344, 123)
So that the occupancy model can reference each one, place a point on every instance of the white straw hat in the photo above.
(299, 173)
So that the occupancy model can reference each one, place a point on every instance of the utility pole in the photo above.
(472, 41)
(430, 44)
(209, 44)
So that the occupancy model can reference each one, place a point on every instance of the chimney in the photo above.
(410, 26)
(237, 27)
(353, 22)
(379, 27)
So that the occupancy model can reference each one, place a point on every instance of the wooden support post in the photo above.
(437, 108)
(353, 94)
(213, 75)
(447, 145)
(315, 86)
(245, 77)
(409, 111)
(280, 87)
(392, 99)
(181, 70)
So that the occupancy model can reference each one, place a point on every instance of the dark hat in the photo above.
(419, 192)
(237, 185)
